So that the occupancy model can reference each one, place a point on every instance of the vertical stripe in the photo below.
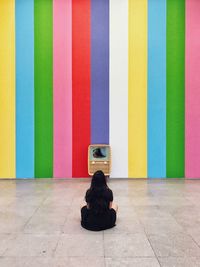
(175, 87)
(43, 88)
(7, 89)
(62, 88)
(157, 88)
(192, 89)
(24, 88)
(119, 87)
(100, 71)
(81, 85)
(137, 89)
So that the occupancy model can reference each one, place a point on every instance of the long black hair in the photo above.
(96, 195)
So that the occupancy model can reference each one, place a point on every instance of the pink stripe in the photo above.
(192, 64)
(62, 15)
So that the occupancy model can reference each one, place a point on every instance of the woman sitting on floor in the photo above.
(100, 211)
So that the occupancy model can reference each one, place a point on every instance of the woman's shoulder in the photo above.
(109, 193)
(88, 191)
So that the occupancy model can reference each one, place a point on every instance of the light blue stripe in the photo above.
(157, 88)
(24, 88)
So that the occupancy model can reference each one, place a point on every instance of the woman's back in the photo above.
(98, 214)
(99, 199)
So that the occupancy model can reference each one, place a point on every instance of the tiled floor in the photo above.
(158, 224)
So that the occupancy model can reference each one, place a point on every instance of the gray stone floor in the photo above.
(158, 224)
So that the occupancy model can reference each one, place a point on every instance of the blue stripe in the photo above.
(24, 88)
(100, 71)
(157, 88)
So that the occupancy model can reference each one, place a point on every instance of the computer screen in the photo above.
(99, 153)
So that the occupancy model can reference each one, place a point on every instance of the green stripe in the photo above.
(43, 14)
(175, 87)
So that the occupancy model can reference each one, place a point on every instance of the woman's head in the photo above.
(98, 180)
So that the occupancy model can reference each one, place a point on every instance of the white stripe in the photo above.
(119, 87)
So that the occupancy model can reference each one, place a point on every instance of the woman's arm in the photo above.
(114, 206)
(83, 204)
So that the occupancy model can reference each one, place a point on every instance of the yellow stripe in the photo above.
(7, 88)
(137, 89)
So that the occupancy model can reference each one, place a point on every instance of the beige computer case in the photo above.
(103, 165)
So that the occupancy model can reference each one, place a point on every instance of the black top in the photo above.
(107, 196)
(95, 221)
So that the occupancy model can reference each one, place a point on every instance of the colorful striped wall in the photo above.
(118, 72)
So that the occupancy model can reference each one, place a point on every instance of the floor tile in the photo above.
(126, 212)
(159, 225)
(127, 245)
(194, 232)
(86, 261)
(5, 240)
(74, 226)
(144, 201)
(124, 226)
(13, 261)
(80, 245)
(179, 262)
(32, 245)
(6, 201)
(152, 212)
(11, 225)
(132, 262)
(44, 225)
(175, 245)
(64, 262)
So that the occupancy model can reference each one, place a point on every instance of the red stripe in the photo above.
(81, 85)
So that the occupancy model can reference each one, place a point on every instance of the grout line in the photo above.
(33, 214)
(148, 240)
(104, 256)
(185, 232)
(103, 245)
(54, 250)
(193, 239)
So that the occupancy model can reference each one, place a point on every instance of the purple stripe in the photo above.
(100, 71)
